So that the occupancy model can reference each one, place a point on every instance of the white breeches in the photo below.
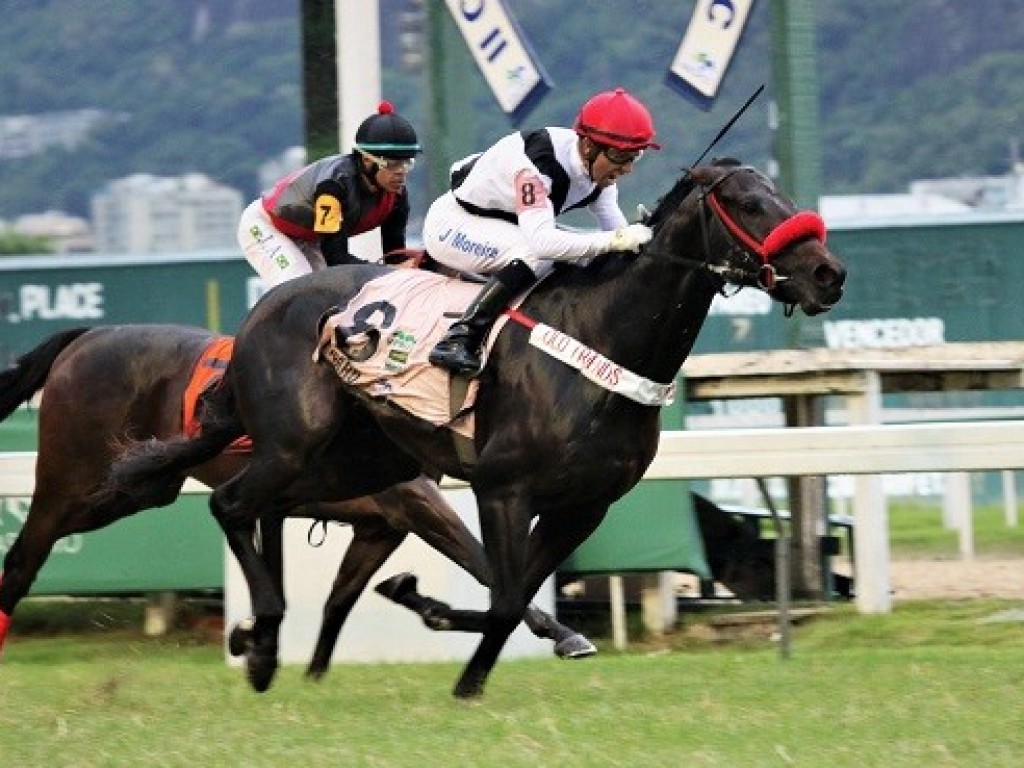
(275, 256)
(471, 243)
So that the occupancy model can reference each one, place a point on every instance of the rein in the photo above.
(799, 226)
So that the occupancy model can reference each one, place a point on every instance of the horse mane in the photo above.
(683, 187)
(669, 202)
(599, 267)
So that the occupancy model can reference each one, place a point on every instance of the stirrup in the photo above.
(455, 357)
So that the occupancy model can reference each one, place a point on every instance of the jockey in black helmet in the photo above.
(304, 221)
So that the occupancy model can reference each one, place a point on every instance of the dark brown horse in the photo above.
(117, 383)
(553, 448)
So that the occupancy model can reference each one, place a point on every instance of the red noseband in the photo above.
(800, 225)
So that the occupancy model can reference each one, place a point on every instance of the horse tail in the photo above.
(28, 374)
(150, 473)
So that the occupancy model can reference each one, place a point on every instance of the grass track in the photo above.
(932, 684)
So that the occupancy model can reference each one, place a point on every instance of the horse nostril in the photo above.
(829, 276)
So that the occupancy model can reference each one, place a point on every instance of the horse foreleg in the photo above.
(372, 544)
(402, 589)
(522, 560)
(556, 536)
(569, 644)
(505, 526)
(553, 539)
(439, 616)
(420, 506)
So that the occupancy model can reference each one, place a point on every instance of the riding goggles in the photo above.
(618, 156)
(390, 163)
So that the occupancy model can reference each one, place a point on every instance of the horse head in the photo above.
(751, 235)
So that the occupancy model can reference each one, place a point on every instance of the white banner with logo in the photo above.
(511, 70)
(708, 46)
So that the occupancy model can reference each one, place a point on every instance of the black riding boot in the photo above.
(459, 350)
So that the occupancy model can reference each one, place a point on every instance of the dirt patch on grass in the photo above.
(956, 579)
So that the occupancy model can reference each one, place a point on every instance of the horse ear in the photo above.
(704, 175)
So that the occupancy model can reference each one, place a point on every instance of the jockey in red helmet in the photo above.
(616, 119)
(499, 216)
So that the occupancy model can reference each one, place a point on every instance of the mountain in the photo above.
(190, 85)
(907, 90)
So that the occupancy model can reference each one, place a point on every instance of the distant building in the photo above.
(154, 214)
(67, 233)
(835, 208)
(990, 193)
(950, 200)
(27, 135)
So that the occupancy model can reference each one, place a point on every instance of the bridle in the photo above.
(799, 226)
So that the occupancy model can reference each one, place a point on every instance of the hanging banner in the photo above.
(508, 65)
(707, 48)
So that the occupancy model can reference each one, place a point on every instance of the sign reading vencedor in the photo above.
(514, 76)
(707, 48)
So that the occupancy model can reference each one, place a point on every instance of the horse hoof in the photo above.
(574, 647)
(260, 671)
(315, 673)
(465, 691)
(398, 586)
(240, 638)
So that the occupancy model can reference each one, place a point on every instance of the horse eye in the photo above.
(752, 205)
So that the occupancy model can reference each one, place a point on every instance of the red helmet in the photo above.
(616, 119)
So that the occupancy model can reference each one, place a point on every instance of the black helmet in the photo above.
(387, 134)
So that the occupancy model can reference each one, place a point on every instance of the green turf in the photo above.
(916, 531)
(932, 684)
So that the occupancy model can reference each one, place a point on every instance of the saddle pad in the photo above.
(208, 370)
(411, 310)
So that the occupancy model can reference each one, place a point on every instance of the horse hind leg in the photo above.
(44, 525)
(239, 526)
(270, 535)
(52, 515)
(15, 579)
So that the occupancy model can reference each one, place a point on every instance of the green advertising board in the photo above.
(176, 548)
(953, 281)
(40, 295)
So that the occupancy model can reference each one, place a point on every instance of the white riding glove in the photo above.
(630, 238)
